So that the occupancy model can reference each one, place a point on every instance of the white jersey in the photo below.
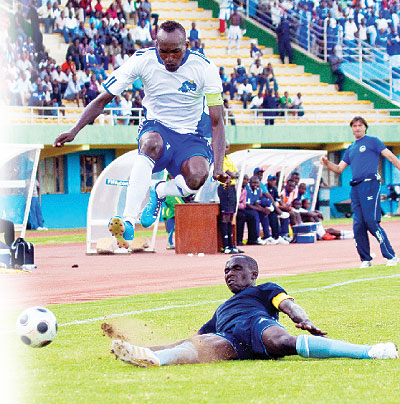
(176, 99)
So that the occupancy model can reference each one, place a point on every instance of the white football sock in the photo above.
(320, 229)
(180, 354)
(175, 187)
(346, 234)
(139, 185)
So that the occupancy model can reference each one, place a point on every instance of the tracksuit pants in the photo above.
(365, 202)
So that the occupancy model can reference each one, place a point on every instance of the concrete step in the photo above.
(211, 51)
(222, 41)
(319, 97)
(222, 50)
(187, 5)
(201, 23)
(278, 69)
(175, 11)
(56, 47)
(304, 78)
(351, 105)
(229, 61)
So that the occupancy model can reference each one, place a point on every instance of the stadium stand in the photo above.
(321, 102)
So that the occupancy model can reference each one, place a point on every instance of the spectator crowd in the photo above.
(345, 22)
(98, 41)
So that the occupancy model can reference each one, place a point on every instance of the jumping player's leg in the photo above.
(278, 343)
(150, 150)
(194, 172)
(198, 349)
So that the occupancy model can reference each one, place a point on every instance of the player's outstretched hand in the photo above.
(311, 328)
(64, 138)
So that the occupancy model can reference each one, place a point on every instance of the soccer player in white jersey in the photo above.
(178, 83)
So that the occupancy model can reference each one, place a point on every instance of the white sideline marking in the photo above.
(177, 306)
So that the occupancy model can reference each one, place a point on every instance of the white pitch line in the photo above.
(179, 306)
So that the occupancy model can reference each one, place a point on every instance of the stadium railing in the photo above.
(68, 116)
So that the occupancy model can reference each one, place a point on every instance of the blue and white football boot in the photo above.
(152, 208)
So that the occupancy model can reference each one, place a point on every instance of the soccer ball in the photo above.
(37, 327)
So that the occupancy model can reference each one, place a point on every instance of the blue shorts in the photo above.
(177, 147)
(246, 338)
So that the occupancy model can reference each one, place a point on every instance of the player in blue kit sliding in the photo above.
(247, 326)
(183, 107)
(363, 158)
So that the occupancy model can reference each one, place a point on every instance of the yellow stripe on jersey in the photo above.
(276, 301)
(214, 99)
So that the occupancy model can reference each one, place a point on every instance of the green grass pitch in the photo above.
(78, 368)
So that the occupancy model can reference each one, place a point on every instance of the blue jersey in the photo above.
(253, 196)
(363, 157)
(241, 308)
(263, 188)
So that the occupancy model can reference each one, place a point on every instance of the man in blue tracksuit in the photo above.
(363, 157)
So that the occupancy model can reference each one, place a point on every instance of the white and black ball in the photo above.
(37, 327)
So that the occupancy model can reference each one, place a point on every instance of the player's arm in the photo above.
(391, 157)
(232, 174)
(336, 168)
(209, 327)
(215, 104)
(90, 113)
(299, 316)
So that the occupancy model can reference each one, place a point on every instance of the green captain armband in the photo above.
(214, 99)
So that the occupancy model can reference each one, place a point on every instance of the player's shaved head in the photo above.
(250, 263)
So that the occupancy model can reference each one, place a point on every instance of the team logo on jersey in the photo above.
(188, 86)
(362, 148)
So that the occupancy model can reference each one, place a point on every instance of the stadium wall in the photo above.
(68, 210)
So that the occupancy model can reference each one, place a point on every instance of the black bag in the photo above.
(21, 253)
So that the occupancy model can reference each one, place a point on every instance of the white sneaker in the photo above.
(136, 355)
(281, 240)
(260, 241)
(366, 264)
(271, 241)
(393, 262)
(386, 350)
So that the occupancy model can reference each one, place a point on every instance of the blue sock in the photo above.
(171, 230)
(310, 346)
